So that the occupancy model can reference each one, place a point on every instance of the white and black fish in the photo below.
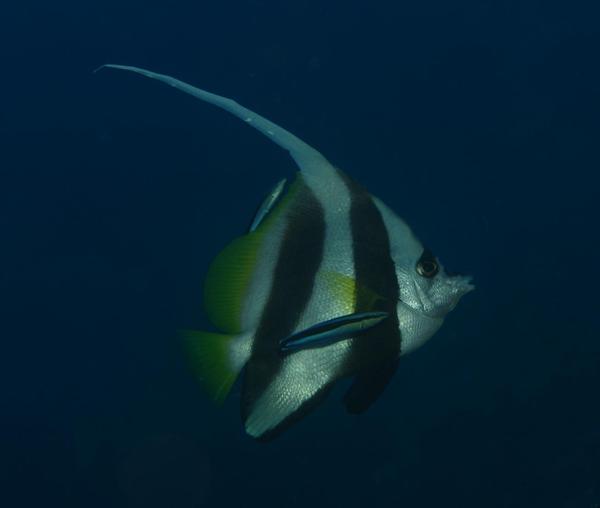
(327, 283)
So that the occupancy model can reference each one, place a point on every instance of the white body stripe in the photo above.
(304, 373)
(415, 327)
(404, 245)
(262, 278)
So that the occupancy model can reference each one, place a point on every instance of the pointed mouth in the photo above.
(462, 284)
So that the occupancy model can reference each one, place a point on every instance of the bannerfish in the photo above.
(327, 283)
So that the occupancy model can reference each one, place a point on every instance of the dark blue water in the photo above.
(477, 121)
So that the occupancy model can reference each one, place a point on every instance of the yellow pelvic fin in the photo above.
(211, 357)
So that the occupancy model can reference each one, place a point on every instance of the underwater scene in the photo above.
(300, 253)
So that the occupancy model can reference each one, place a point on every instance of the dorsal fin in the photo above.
(308, 159)
(230, 273)
(227, 282)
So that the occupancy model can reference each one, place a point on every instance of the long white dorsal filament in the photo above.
(310, 161)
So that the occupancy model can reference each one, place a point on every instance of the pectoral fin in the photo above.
(368, 386)
(333, 330)
(267, 204)
(346, 290)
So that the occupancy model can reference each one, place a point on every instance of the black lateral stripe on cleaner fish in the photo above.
(328, 283)
(333, 330)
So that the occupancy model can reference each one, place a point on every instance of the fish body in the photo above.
(328, 283)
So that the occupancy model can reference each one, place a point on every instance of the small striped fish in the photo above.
(327, 283)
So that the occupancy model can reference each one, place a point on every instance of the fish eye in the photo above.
(427, 265)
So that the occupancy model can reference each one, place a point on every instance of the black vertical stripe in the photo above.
(374, 269)
(298, 261)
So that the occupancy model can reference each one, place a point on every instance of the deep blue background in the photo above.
(477, 121)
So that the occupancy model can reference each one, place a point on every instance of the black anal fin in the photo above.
(368, 386)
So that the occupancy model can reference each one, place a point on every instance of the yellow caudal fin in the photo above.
(217, 359)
